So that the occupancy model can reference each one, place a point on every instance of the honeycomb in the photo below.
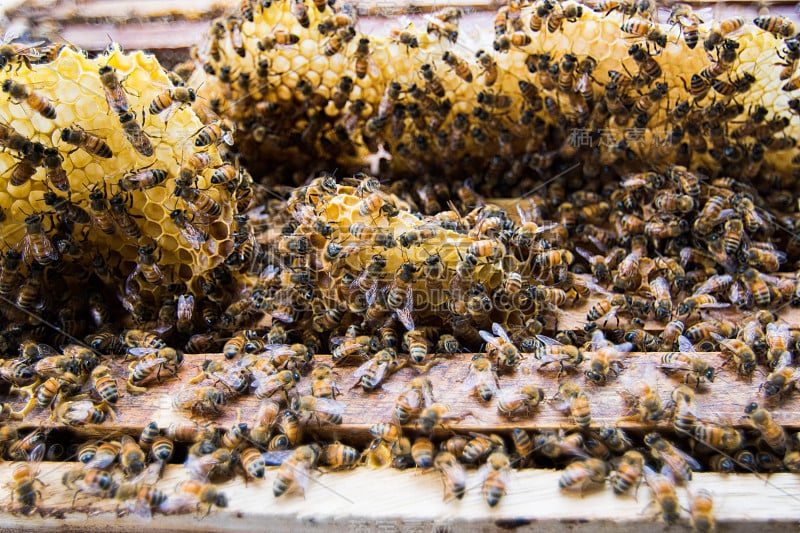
(101, 193)
(308, 91)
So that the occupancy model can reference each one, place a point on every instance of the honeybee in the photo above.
(454, 476)
(338, 40)
(203, 400)
(781, 381)
(36, 245)
(337, 456)
(481, 378)
(553, 351)
(605, 358)
(24, 481)
(252, 461)
(137, 338)
(628, 472)
(10, 138)
(460, 66)
(777, 25)
(480, 447)
(203, 207)
(522, 401)
(296, 470)
(495, 477)
(697, 303)
(679, 463)
(579, 474)
(36, 101)
(323, 409)
(104, 384)
(372, 372)
(91, 481)
(112, 88)
(80, 412)
(740, 352)
(576, 402)
(663, 488)
(502, 350)
(489, 67)
(717, 437)
(417, 395)
(695, 366)
(131, 456)
(194, 493)
(771, 433)
(213, 132)
(279, 37)
(135, 134)
(168, 101)
(645, 28)
(147, 266)
(322, 384)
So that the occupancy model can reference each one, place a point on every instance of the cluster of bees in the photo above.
(604, 84)
(672, 197)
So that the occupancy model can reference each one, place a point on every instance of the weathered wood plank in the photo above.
(724, 400)
(411, 501)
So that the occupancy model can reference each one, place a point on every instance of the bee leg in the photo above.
(198, 378)
(22, 413)
(133, 388)
(30, 390)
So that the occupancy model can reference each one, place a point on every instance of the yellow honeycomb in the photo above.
(70, 87)
(280, 77)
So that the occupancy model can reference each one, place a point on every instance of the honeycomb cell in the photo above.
(154, 211)
(21, 191)
(169, 243)
(218, 231)
(184, 270)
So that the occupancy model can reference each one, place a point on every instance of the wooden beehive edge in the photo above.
(411, 501)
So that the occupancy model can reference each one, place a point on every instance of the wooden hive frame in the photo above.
(390, 500)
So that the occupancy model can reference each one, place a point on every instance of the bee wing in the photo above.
(598, 340)
(302, 473)
(715, 305)
(199, 466)
(785, 360)
(185, 306)
(624, 347)
(716, 280)
(151, 363)
(548, 341)
(509, 395)
(37, 454)
(361, 370)
(778, 331)
(232, 380)
(472, 380)
(185, 397)
(139, 507)
(329, 406)
(278, 350)
(685, 345)
(674, 461)
(45, 350)
(490, 339)
(276, 458)
(192, 235)
(149, 475)
(80, 409)
(140, 351)
(498, 330)
(404, 315)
